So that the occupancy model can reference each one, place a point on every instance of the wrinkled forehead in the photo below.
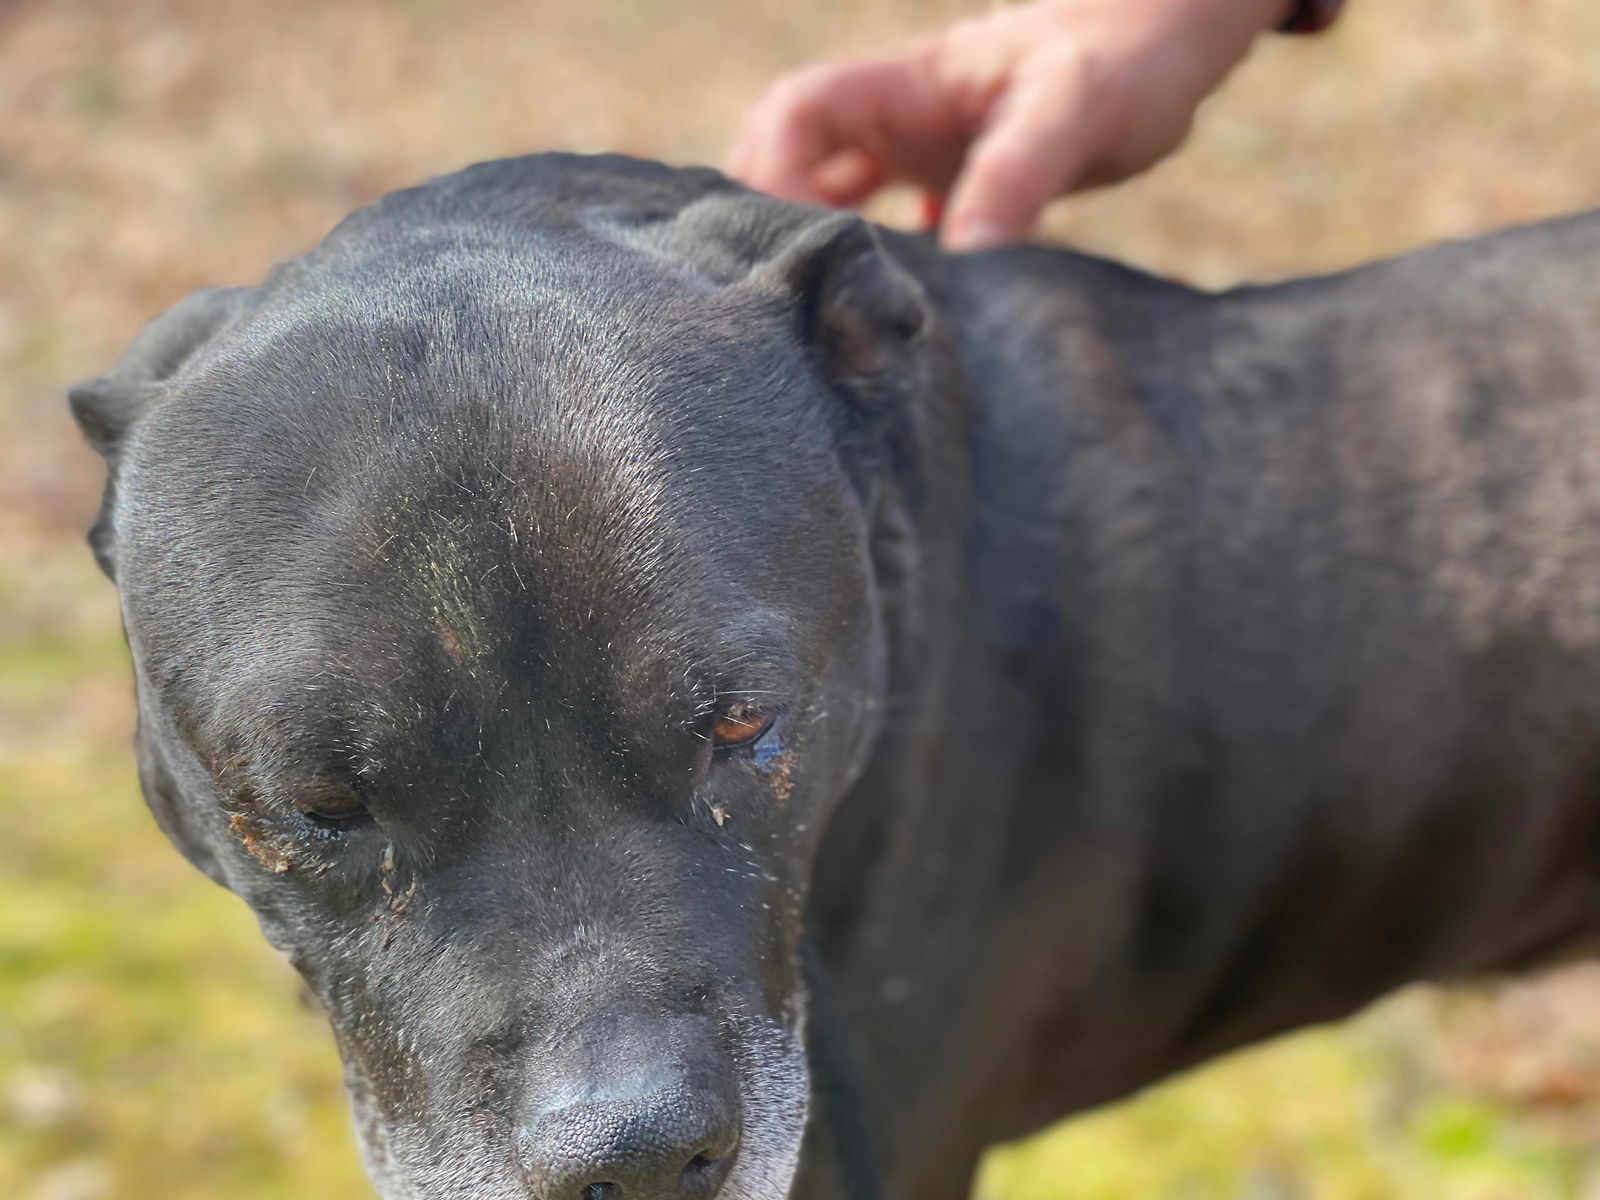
(590, 490)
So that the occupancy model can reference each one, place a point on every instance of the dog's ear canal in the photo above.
(863, 312)
(108, 409)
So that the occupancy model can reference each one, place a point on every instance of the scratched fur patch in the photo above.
(258, 845)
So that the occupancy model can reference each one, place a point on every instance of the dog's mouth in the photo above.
(459, 1150)
(776, 1087)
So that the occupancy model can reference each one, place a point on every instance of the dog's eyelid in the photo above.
(328, 800)
(742, 723)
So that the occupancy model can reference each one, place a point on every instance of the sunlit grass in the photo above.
(1319, 1116)
(150, 1043)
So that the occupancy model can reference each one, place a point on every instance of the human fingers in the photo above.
(1040, 138)
(832, 133)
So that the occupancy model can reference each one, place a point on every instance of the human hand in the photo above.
(996, 116)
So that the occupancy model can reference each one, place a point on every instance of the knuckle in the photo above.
(953, 53)
(1072, 65)
(803, 86)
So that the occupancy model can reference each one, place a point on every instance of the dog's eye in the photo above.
(739, 725)
(330, 804)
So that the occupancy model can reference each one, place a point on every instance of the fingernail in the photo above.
(975, 234)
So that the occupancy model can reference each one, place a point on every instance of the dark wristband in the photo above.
(1311, 16)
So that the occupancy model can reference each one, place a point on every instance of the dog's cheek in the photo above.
(851, 707)
(168, 806)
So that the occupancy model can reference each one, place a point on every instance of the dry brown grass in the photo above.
(151, 146)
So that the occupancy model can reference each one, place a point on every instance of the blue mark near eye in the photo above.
(767, 748)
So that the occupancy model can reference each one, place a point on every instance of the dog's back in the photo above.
(1286, 663)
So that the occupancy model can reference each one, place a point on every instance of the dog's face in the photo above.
(505, 627)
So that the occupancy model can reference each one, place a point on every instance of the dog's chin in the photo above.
(475, 1161)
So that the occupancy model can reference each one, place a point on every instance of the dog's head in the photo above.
(500, 582)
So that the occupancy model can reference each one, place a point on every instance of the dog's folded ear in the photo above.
(859, 307)
(862, 311)
(109, 408)
(106, 408)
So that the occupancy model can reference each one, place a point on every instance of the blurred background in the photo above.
(150, 1043)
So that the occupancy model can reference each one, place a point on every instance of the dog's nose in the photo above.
(661, 1145)
(654, 1116)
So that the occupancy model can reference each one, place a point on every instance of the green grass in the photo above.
(1316, 1116)
(150, 1043)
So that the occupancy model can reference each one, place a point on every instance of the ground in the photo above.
(150, 1043)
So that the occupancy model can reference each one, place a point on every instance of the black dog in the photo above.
(720, 700)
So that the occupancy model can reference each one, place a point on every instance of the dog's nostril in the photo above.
(704, 1173)
(699, 1167)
